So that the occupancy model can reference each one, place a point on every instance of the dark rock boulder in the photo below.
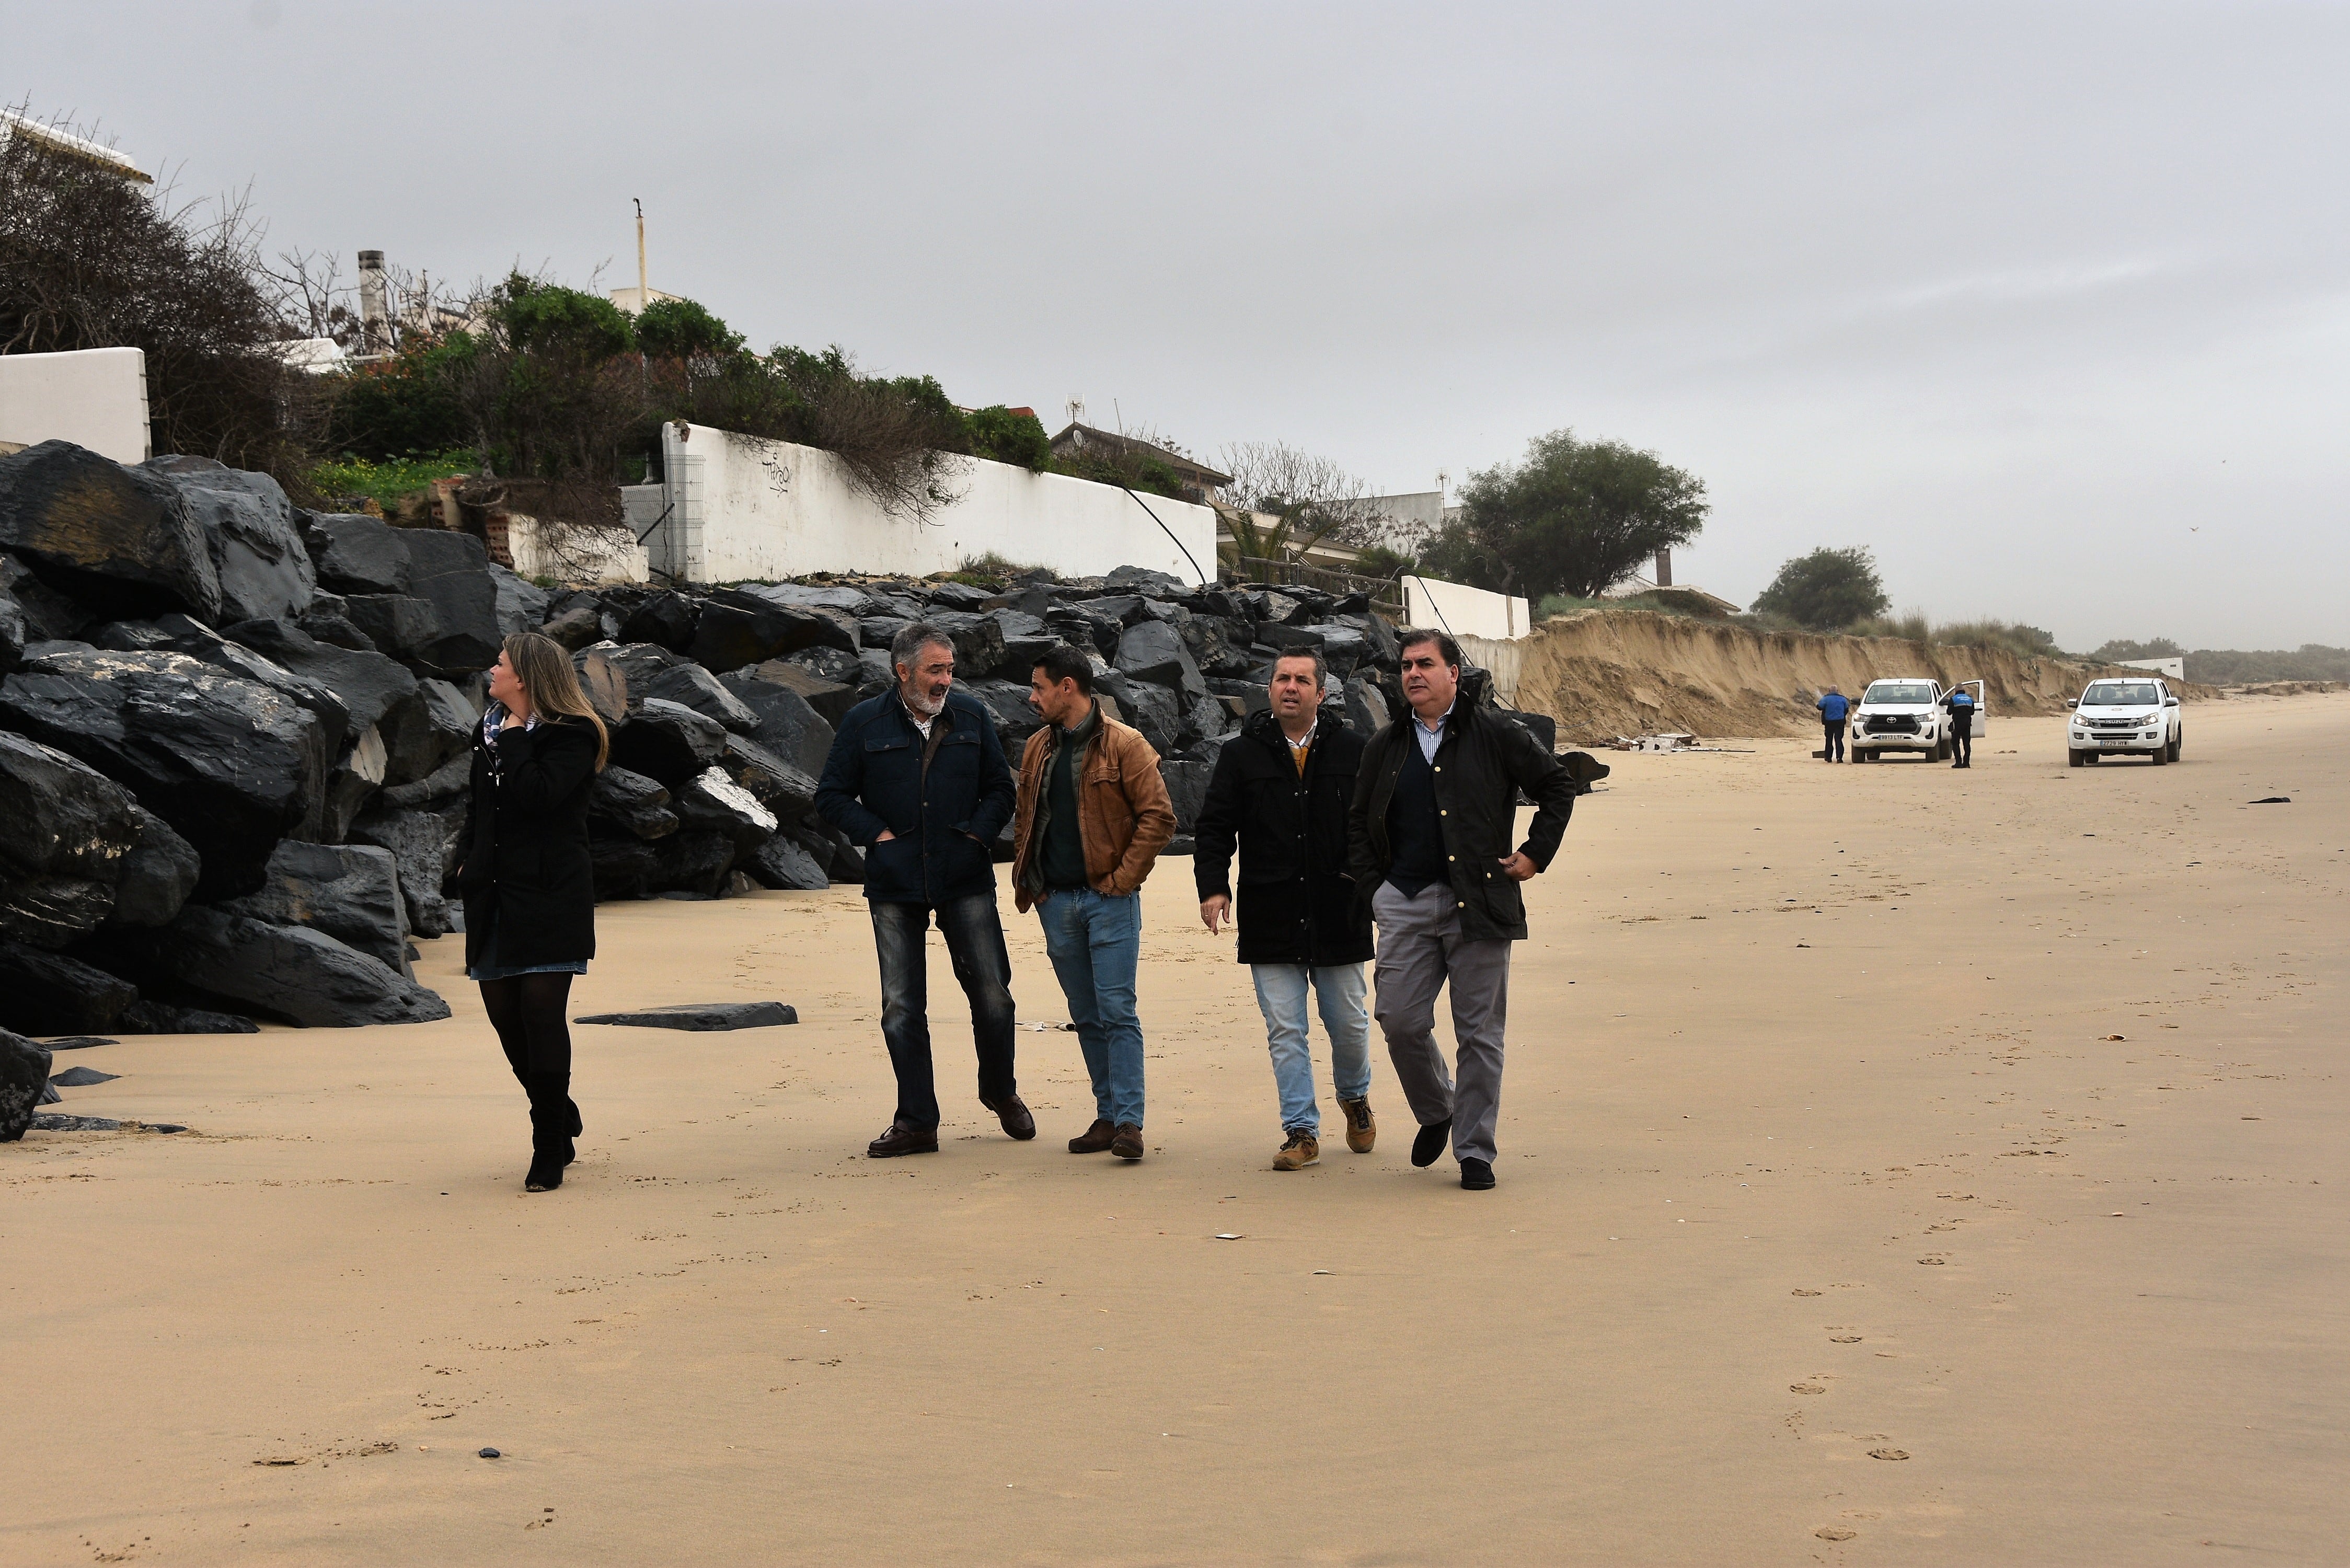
(67, 832)
(402, 625)
(159, 875)
(1541, 726)
(702, 1016)
(357, 555)
(518, 605)
(693, 860)
(581, 625)
(640, 664)
(785, 864)
(1086, 628)
(351, 892)
(1154, 651)
(1213, 648)
(293, 972)
(1152, 710)
(425, 846)
(257, 552)
(632, 803)
(788, 724)
(11, 632)
(231, 765)
(1187, 791)
(693, 686)
(784, 790)
(93, 529)
(955, 596)
(450, 572)
(24, 1077)
(738, 627)
(180, 634)
(712, 802)
(148, 1016)
(1144, 580)
(421, 741)
(373, 687)
(830, 698)
(668, 741)
(880, 630)
(1367, 708)
(978, 642)
(664, 618)
(1280, 635)
(842, 599)
(622, 868)
(442, 784)
(1343, 649)
(605, 682)
(55, 993)
(1015, 720)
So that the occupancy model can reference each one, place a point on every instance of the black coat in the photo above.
(1481, 764)
(945, 817)
(527, 846)
(1297, 901)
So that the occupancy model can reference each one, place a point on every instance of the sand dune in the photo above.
(1994, 1121)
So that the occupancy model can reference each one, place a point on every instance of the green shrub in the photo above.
(999, 434)
(386, 482)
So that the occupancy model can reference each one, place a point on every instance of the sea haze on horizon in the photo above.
(2044, 303)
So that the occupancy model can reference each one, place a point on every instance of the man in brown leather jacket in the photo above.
(1093, 815)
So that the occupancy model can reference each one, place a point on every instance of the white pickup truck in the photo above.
(2135, 717)
(1906, 714)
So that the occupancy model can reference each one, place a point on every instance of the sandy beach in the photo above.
(1895, 1167)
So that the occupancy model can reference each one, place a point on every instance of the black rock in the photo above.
(667, 742)
(830, 698)
(788, 724)
(148, 1016)
(955, 596)
(694, 687)
(54, 993)
(1015, 720)
(11, 632)
(402, 625)
(1214, 649)
(880, 630)
(605, 683)
(257, 552)
(24, 1074)
(576, 627)
(349, 891)
(1367, 707)
(519, 605)
(1086, 628)
(67, 832)
(180, 634)
(77, 1041)
(786, 863)
(738, 627)
(1126, 610)
(1145, 580)
(449, 779)
(93, 529)
(631, 802)
(159, 875)
(622, 868)
(1541, 726)
(978, 641)
(1154, 651)
(693, 860)
(232, 765)
(293, 973)
(640, 664)
(1278, 635)
(83, 1078)
(784, 790)
(702, 1017)
(425, 846)
(1343, 648)
(1187, 791)
(714, 803)
(357, 555)
(370, 685)
(1152, 710)
(1206, 717)
(419, 738)
(664, 618)
(451, 571)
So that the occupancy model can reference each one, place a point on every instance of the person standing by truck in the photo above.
(1834, 708)
(1962, 704)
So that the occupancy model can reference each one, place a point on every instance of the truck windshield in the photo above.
(1899, 692)
(2121, 695)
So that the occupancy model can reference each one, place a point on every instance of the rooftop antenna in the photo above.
(1443, 481)
(644, 290)
(1118, 416)
(1076, 409)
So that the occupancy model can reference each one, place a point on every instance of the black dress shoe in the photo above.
(1431, 1142)
(904, 1138)
(1476, 1175)
(1013, 1114)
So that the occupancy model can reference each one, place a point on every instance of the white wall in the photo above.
(743, 509)
(1464, 611)
(574, 555)
(2176, 668)
(95, 397)
(1498, 657)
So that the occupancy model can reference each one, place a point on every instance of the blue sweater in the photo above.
(1834, 707)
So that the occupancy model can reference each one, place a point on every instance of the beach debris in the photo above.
(100, 1124)
(2112, 1037)
(493, 1453)
(1806, 1389)
(703, 1016)
(1830, 1533)
(2273, 800)
(1799, 1291)
(1229, 1236)
(1888, 1453)
(1844, 1339)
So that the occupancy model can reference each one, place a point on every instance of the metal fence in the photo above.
(1386, 592)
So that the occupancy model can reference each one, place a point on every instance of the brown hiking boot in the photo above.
(1362, 1128)
(1302, 1150)
(1127, 1143)
(1095, 1138)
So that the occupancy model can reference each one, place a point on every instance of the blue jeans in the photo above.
(975, 943)
(1094, 942)
(1281, 997)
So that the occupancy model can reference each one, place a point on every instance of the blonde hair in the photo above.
(545, 672)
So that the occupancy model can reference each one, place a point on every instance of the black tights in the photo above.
(527, 1012)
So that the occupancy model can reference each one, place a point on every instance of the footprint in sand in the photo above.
(1805, 1389)
(1830, 1533)
(1844, 1339)
(1888, 1453)
(1802, 1293)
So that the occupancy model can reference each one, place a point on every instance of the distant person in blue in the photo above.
(1834, 708)
(1962, 704)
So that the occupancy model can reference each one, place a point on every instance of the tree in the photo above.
(1575, 517)
(681, 330)
(2122, 648)
(1309, 499)
(1826, 590)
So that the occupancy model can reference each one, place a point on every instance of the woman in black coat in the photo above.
(528, 887)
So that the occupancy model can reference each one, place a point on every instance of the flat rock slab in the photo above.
(704, 1015)
(100, 1124)
(77, 1043)
(82, 1078)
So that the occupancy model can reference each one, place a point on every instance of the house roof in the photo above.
(1077, 437)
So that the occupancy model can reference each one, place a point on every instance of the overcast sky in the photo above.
(2045, 304)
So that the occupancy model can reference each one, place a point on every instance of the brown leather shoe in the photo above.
(1302, 1150)
(1095, 1139)
(1127, 1144)
(1013, 1112)
(904, 1138)
(1362, 1128)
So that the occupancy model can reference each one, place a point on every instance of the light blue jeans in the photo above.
(1281, 996)
(1094, 942)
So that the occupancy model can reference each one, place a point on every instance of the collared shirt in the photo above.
(1300, 750)
(1430, 739)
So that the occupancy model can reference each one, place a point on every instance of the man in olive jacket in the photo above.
(1280, 795)
(1434, 813)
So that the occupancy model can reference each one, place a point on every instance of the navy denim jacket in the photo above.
(946, 821)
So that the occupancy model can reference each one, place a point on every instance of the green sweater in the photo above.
(1060, 847)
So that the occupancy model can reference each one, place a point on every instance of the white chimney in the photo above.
(375, 319)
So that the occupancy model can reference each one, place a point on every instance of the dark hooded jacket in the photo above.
(1296, 902)
(526, 872)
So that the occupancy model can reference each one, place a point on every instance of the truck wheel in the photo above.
(2073, 759)
(1942, 750)
(2178, 744)
(2161, 755)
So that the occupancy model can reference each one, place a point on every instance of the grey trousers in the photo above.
(1420, 950)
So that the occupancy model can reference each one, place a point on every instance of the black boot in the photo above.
(553, 1118)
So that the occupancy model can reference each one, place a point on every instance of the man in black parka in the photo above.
(1431, 835)
(917, 777)
(1280, 794)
